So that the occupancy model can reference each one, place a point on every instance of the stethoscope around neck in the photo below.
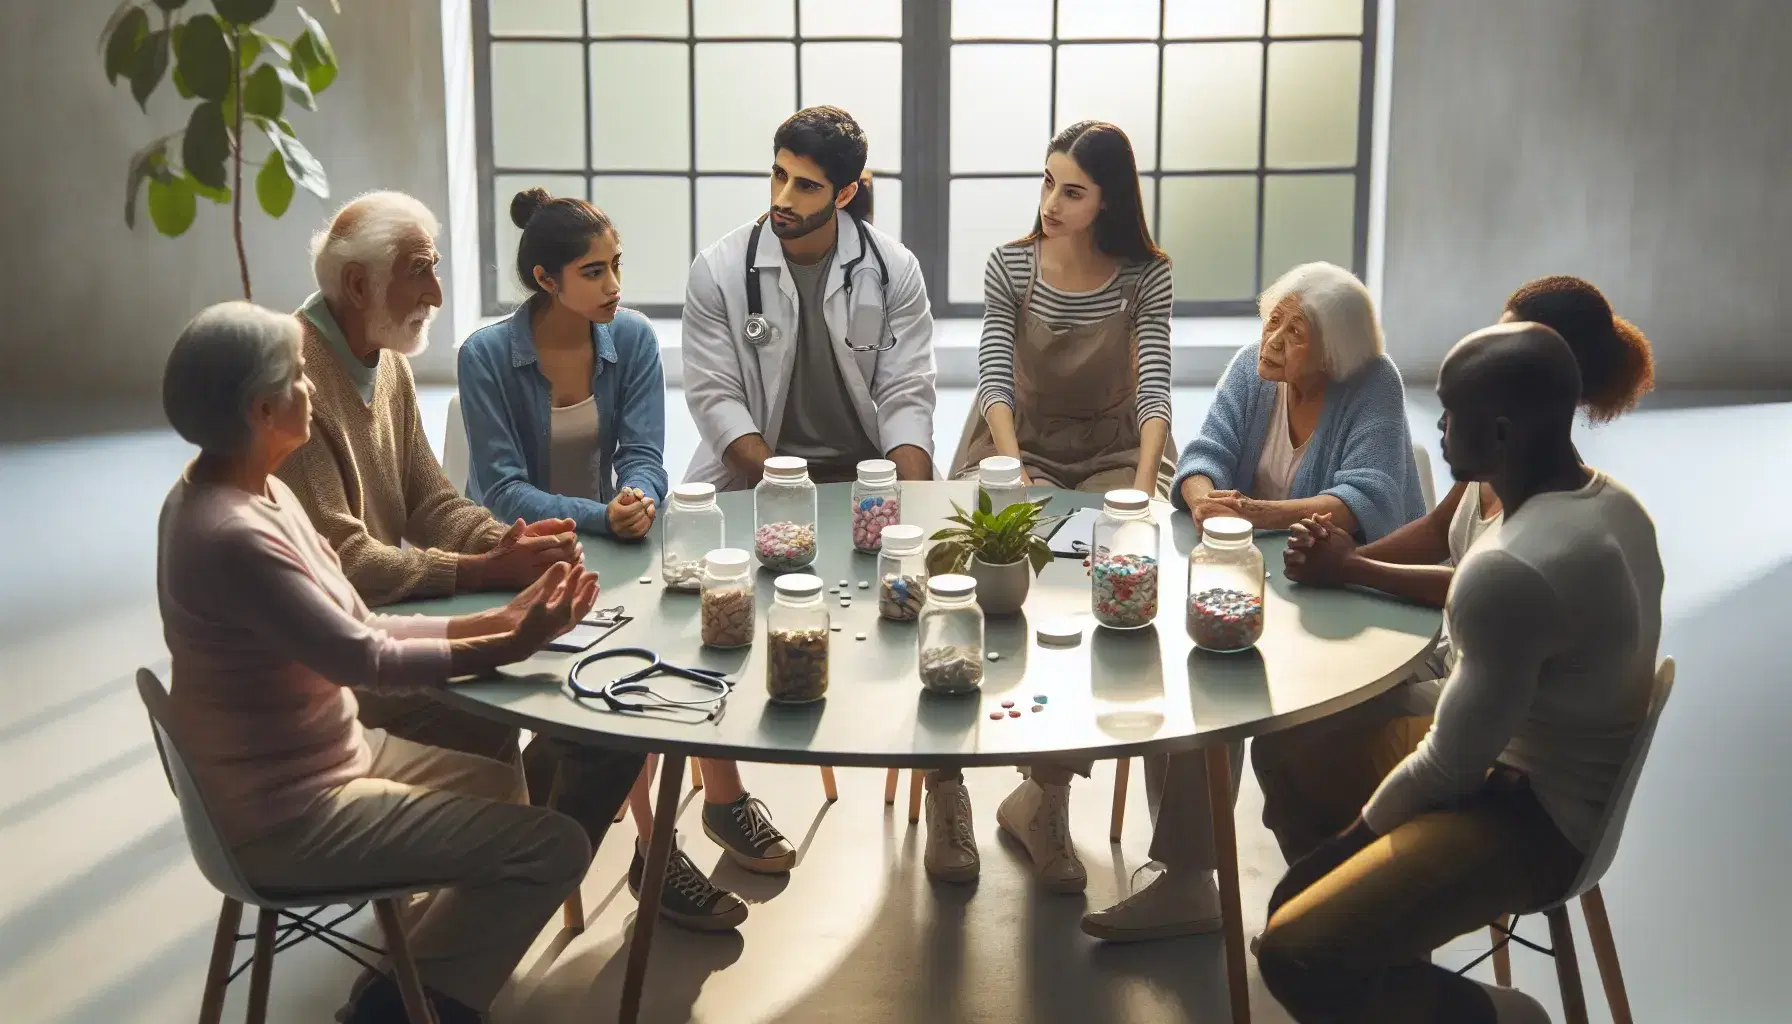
(758, 330)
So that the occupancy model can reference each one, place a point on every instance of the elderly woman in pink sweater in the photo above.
(269, 640)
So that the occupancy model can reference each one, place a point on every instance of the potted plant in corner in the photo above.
(1001, 551)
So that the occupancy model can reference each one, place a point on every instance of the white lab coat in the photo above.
(734, 388)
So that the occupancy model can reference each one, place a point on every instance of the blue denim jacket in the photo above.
(505, 401)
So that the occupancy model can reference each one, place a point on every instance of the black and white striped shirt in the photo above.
(1005, 285)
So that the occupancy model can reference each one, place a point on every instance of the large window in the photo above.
(1249, 119)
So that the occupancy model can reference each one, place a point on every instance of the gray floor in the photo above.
(103, 918)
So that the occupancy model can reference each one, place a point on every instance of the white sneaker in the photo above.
(951, 839)
(1172, 905)
(1511, 1006)
(1038, 817)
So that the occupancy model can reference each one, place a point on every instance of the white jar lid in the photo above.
(877, 472)
(798, 585)
(695, 493)
(999, 469)
(1059, 632)
(1228, 529)
(951, 585)
(786, 466)
(726, 558)
(1126, 500)
(902, 538)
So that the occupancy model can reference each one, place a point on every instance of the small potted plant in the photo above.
(996, 549)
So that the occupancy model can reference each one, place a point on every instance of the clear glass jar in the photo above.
(1225, 587)
(950, 645)
(1123, 565)
(999, 477)
(728, 613)
(876, 503)
(784, 514)
(902, 573)
(692, 529)
(796, 634)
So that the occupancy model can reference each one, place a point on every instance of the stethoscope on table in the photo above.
(614, 692)
(758, 330)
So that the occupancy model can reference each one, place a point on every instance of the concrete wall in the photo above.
(91, 308)
(1642, 144)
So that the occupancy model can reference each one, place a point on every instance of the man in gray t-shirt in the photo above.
(820, 423)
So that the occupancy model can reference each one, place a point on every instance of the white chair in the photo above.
(218, 864)
(1420, 459)
(454, 446)
(1592, 903)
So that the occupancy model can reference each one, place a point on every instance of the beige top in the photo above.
(572, 449)
(1280, 458)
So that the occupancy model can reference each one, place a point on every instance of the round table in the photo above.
(1117, 694)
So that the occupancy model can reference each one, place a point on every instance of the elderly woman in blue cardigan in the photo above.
(1309, 421)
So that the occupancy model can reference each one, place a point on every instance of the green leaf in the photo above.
(243, 12)
(206, 145)
(150, 161)
(172, 206)
(205, 57)
(296, 90)
(306, 172)
(273, 186)
(148, 67)
(171, 5)
(263, 94)
(124, 34)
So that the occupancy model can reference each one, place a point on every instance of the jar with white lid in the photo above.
(728, 611)
(902, 573)
(784, 515)
(949, 642)
(1225, 587)
(876, 503)
(999, 476)
(796, 635)
(1123, 561)
(694, 527)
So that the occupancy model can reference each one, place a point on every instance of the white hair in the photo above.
(229, 357)
(1340, 310)
(371, 239)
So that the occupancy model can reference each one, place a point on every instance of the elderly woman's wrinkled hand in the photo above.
(1317, 552)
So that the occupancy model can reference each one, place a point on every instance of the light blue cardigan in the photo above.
(1361, 452)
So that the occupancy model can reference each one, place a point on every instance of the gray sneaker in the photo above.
(744, 829)
(689, 899)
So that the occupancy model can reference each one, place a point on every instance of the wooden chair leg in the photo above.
(1502, 952)
(217, 976)
(1561, 937)
(398, 948)
(1605, 955)
(696, 774)
(1122, 769)
(827, 784)
(914, 795)
(891, 779)
(261, 971)
(572, 912)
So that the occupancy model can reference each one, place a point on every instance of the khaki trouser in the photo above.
(1349, 948)
(436, 819)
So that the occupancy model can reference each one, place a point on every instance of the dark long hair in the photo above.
(1104, 153)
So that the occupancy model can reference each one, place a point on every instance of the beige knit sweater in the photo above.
(369, 481)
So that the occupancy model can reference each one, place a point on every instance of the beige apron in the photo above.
(1076, 402)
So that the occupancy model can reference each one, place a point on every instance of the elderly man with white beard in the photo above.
(370, 483)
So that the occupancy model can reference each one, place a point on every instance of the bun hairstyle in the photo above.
(1617, 367)
(555, 233)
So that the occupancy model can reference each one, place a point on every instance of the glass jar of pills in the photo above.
(1123, 561)
(693, 528)
(950, 644)
(876, 503)
(999, 477)
(1225, 587)
(901, 574)
(727, 614)
(784, 514)
(796, 635)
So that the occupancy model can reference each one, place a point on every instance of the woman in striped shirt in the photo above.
(1074, 367)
